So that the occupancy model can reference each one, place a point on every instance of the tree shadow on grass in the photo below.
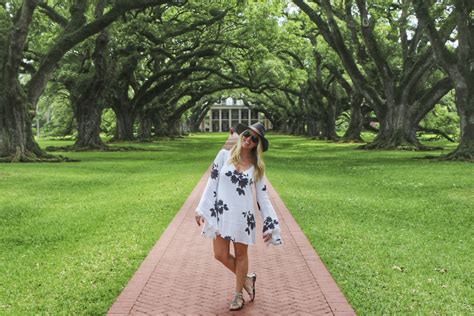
(338, 157)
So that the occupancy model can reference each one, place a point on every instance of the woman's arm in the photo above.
(271, 224)
(209, 195)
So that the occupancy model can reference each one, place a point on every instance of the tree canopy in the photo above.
(390, 67)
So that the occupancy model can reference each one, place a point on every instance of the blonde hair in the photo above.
(257, 157)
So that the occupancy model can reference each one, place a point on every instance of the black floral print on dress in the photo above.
(229, 238)
(214, 171)
(240, 179)
(269, 223)
(227, 204)
(218, 209)
(250, 221)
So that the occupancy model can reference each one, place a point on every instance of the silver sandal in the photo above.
(238, 302)
(249, 285)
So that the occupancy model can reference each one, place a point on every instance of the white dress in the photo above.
(227, 204)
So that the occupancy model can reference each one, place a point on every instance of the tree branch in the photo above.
(17, 40)
(75, 33)
(295, 57)
(350, 22)
(403, 32)
(333, 37)
(435, 131)
(444, 57)
(52, 14)
(430, 97)
(189, 28)
(374, 50)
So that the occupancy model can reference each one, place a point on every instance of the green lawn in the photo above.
(72, 234)
(395, 232)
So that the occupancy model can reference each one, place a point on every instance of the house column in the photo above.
(230, 118)
(220, 120)
(210, 121)
(249, 117)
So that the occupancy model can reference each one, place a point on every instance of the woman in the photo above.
(226, 206)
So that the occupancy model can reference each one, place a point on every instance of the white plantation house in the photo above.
(228, 113)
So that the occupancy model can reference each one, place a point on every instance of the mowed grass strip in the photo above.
(72, 234)
(395, 232)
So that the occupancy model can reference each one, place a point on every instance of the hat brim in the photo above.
(242, 127)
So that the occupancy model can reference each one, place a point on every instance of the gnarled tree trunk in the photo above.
(296, 126)
(329, 127)
(17, 143)
(89, 103)
(125, 119)
(278, 125)
(459, 65)
(465, 107)
(354, 129)
(311, 126)
(198, 116)
(397, 131)
(159, 124)
(145, 125)
(174, 127)
(88, 116)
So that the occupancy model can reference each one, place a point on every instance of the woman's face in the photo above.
(248, 139)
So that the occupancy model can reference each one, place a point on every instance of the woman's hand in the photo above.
(199, 220)
(267, 237)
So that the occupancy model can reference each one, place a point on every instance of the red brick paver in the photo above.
(181, 277)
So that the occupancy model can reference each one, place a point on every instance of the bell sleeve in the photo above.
(271, 224)
(208, 198)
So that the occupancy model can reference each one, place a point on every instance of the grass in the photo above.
(72, 234)
(395, 232)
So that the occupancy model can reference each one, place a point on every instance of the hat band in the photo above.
(256, 131)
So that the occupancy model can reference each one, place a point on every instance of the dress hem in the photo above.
(206, 235)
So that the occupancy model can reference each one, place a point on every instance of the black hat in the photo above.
(257, 128)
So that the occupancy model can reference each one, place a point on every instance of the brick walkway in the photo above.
(181, 277)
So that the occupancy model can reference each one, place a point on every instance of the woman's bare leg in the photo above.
(238, 264)
(222, 253)
(241, 265)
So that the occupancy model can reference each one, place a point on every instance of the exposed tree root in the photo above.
(407, 147)
(116, 140)
(329, 139)
(451, 157)
(460, 155)
(73, 148)
(352, 140)
(32, 157)
(145, 140)
(352, 137)
(391, 144)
